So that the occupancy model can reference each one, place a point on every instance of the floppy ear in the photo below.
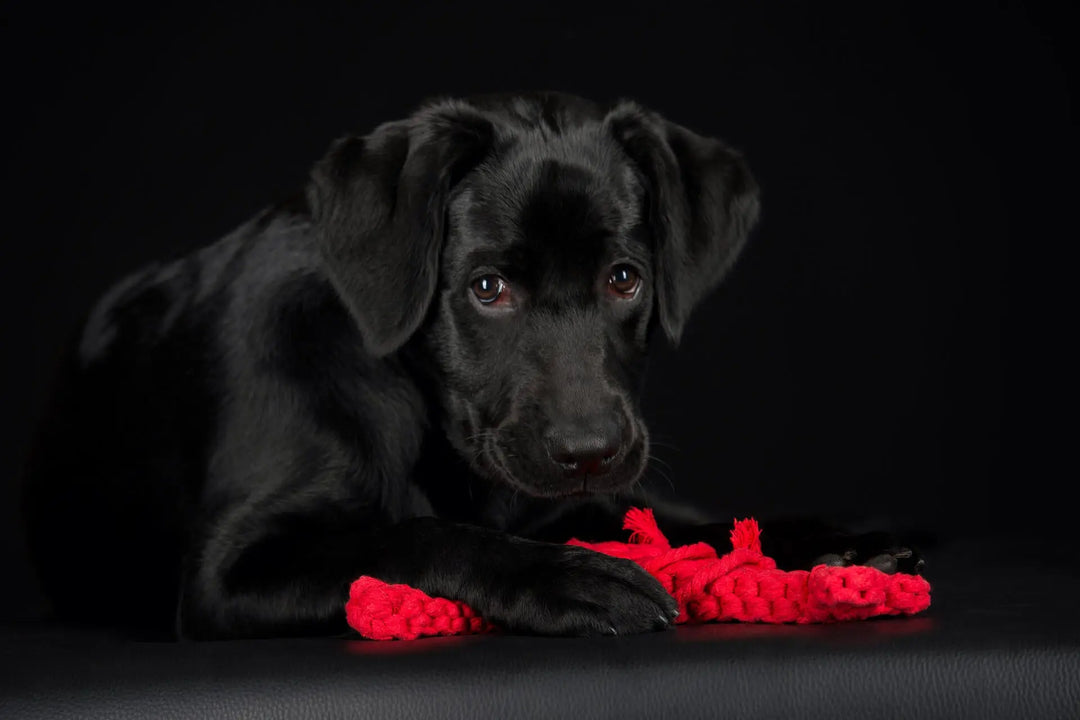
(378, 205)
(703, 201)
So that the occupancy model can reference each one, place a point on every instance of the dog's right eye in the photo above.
(491, 289)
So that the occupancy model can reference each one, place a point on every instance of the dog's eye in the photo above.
(624, 281)
(490, 289)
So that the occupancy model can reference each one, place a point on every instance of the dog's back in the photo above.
(120, 460)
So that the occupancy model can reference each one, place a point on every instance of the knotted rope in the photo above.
(744, 586)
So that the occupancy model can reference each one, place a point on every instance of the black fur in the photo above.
(320, 395)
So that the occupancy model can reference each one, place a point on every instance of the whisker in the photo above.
(637, 485)
(659, 471)
(660, 460)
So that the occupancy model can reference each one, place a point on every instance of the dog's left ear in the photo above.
(702, 204)
(378, 206)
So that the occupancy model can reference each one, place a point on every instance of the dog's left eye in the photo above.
(624, 281)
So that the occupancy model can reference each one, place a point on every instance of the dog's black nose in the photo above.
(584, 447)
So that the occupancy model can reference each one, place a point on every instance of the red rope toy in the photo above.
(744, 585)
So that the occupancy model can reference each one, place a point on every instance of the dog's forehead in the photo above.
(568, 197)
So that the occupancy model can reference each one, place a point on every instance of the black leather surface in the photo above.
(1002, 640)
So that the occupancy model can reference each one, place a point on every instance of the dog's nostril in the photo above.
(564, 458)
(582, 466)
(603, 455)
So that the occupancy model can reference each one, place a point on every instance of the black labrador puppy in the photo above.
(424, 369)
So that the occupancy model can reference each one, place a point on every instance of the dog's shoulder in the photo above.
(204, 290)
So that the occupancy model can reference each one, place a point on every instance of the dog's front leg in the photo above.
(294, 577)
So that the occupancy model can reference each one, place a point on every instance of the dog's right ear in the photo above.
(378, 205)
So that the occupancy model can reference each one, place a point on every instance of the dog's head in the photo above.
(530, 245)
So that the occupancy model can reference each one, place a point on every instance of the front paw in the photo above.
(571, 591)
(876, 550)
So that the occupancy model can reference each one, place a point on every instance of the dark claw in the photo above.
(885, 562)
(795, 547)
(830, 559)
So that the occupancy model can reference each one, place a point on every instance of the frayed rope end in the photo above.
(746, 535)
(643, 528)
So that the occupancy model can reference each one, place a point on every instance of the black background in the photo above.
(888, 345)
